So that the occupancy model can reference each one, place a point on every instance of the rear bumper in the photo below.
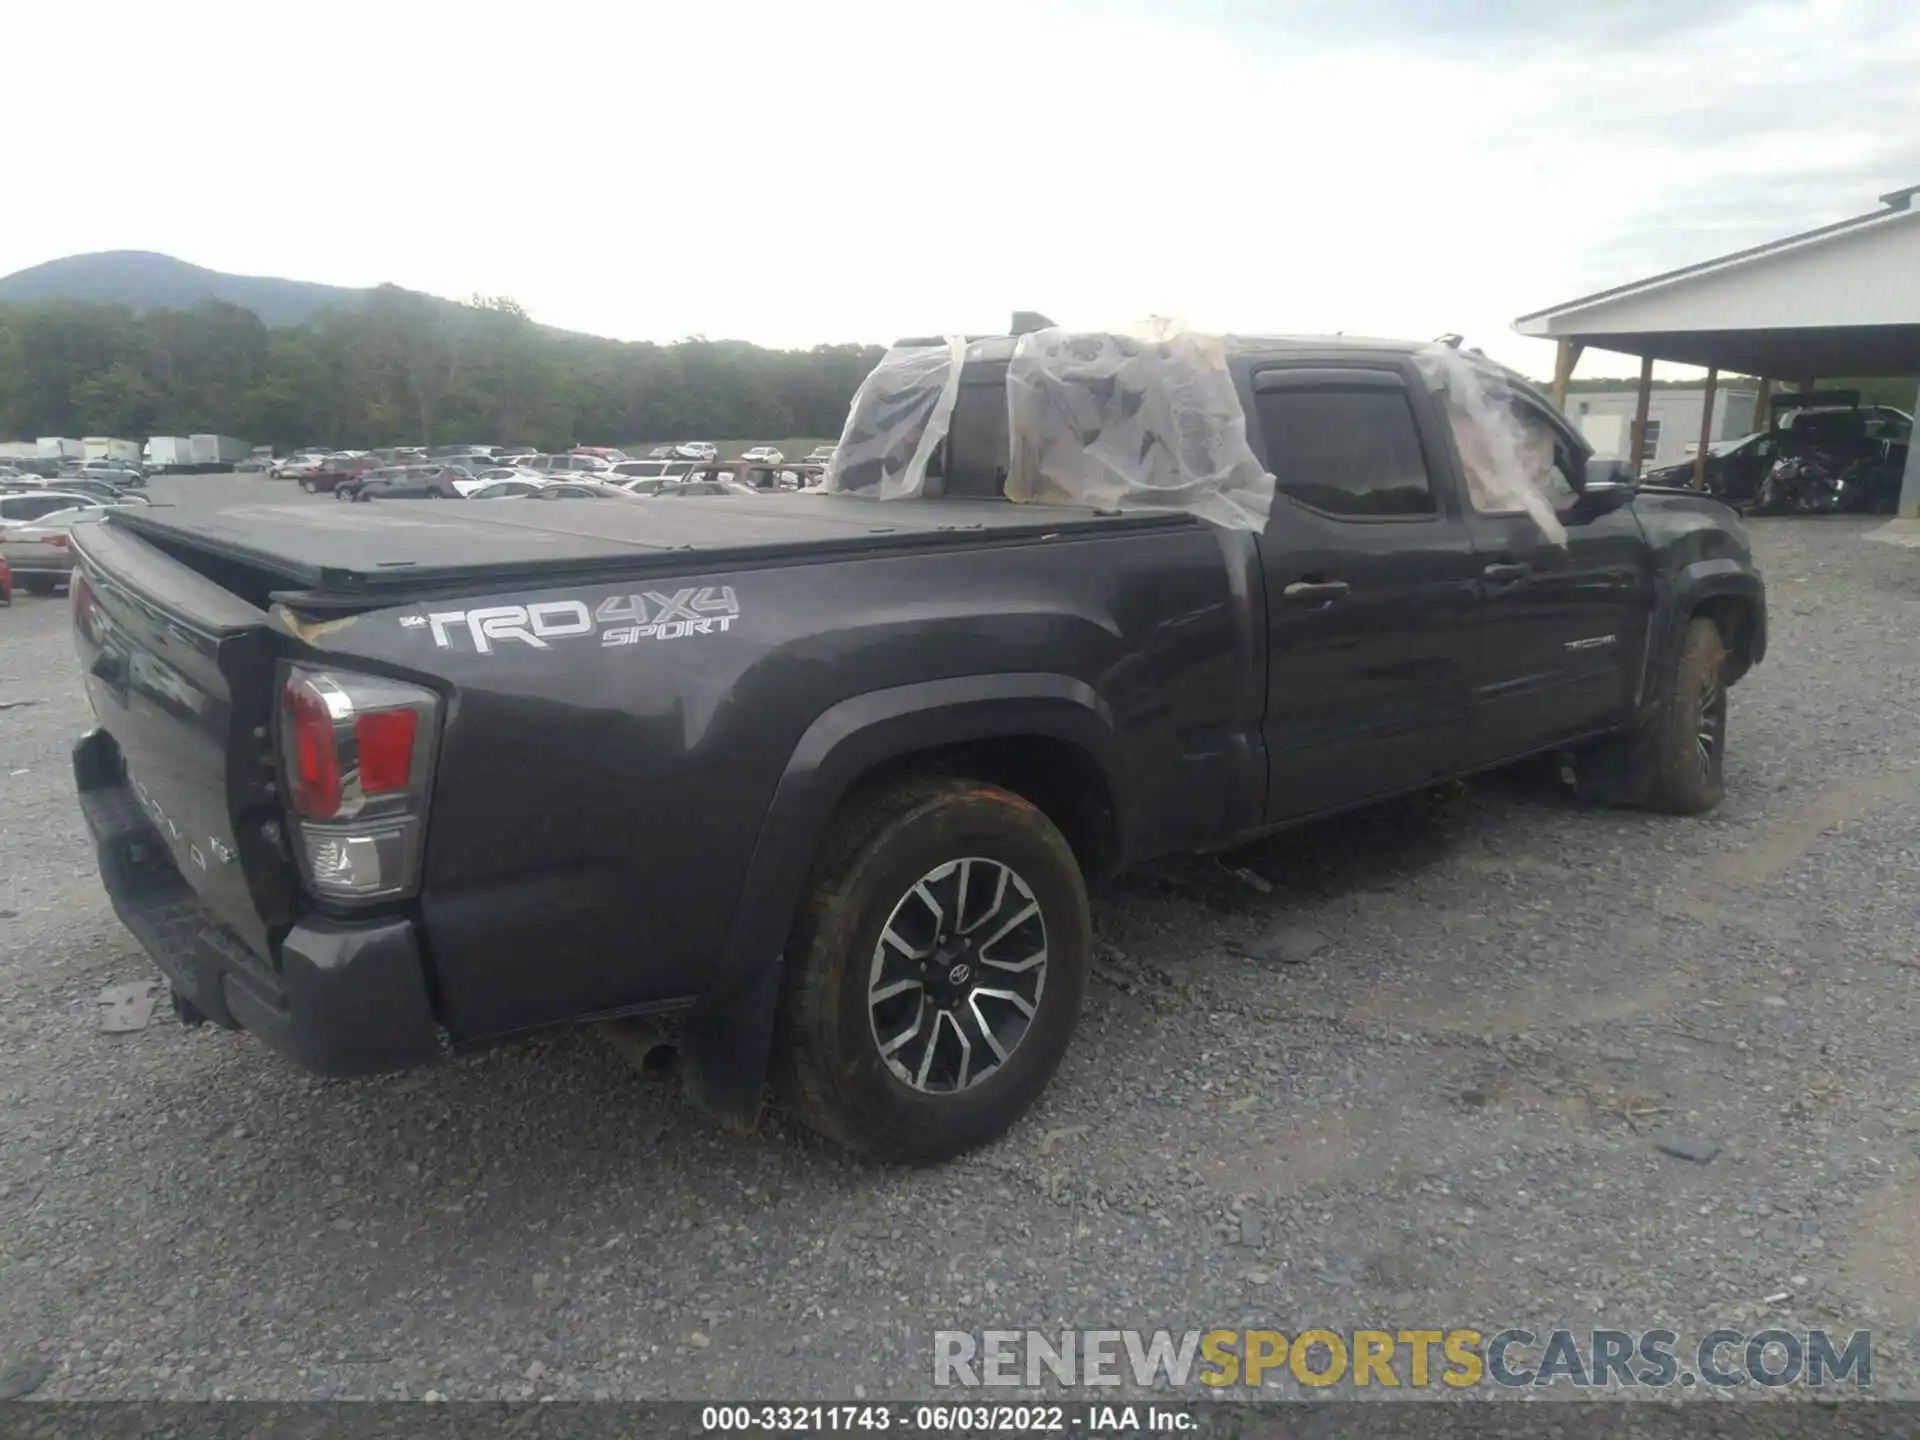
(336, 997)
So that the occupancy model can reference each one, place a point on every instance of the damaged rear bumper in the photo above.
(336, 997)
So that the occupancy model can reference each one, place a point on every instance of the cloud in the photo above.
(858, 169)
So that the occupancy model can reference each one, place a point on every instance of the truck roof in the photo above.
(378, 553)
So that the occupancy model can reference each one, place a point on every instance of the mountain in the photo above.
(147, 281)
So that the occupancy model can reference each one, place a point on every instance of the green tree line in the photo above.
(401, 368)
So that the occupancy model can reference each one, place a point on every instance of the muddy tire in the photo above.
(1685, 745)
(935, 973)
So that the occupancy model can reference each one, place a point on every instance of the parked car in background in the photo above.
(113, 468)
(96, 491)
(394, 482)
(300, 462)
(412, 482)
(348, 486)
(492, 474)
(340, 466)
(513, 489)
(702, 487)
(39, 553)
(660, 452)
(655, 470)
(819, 455)
(568, 465)
(118, 479)
(580, 488)
(764, 454)
(697, 450)
(508, 454)
(27, 506)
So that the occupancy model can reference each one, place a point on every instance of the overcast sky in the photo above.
(792, 173)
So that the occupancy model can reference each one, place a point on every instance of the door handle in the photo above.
(1502, 574)
(1315, 592)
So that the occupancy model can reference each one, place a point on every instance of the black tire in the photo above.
(308, 486)
(828, 1062)
(1685, 746)
(39, 584)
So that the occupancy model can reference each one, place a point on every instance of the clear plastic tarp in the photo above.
(897, 420)
(1143, 421)
(1507, 459)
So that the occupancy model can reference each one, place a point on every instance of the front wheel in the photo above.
(1687, 741)
(935, 975)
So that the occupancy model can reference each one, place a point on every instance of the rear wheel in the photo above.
(936, 972)
(308, 486)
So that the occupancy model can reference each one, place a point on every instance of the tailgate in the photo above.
(179, 672)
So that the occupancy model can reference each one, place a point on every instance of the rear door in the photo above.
(1563, 628)
(1370, 589)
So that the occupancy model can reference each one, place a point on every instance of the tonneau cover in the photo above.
(404, 545)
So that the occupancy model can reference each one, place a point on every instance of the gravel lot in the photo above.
(1446, 1114)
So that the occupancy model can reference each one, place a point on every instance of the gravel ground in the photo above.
(1446, 1114)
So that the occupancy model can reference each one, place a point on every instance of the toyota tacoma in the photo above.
(826, 776)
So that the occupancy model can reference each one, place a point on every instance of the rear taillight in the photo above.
(356, 753)
(58, 541)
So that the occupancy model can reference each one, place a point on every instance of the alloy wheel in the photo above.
(957, 975)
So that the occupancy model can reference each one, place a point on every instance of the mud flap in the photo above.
(1611, 772)
(724, 1053)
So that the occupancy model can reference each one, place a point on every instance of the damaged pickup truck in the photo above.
(827, 776)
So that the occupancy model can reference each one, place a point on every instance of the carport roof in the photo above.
(1843, 299)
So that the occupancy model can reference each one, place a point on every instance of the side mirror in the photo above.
(1609, 471)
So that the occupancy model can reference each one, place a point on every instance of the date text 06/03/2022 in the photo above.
(948, 1419)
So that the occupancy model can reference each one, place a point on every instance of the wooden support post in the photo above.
(1762, 406)
(1640, 414)
(1706, 429)
(1565, 357)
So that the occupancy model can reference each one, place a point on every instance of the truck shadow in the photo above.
(1356, 850)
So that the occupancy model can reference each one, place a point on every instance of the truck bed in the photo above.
(320, 556)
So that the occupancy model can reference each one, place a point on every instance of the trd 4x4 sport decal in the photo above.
(618, 619)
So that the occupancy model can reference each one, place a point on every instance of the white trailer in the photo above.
(58, 447)
(170, 454)
(218, 452)
(106, 447)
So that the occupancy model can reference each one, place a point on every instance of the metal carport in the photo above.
(1842, 300)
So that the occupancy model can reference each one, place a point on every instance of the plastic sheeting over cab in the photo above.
(1146, 421)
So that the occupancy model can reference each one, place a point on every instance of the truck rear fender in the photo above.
(726, 1045)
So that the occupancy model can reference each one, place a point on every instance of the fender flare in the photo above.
(1703, 580)
(727, 1044)
(1697, 581)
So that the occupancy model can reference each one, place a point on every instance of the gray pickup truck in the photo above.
(826, 778)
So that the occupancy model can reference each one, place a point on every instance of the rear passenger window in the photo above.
(1348, 453)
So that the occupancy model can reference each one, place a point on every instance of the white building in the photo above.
(1605, 417)
(1842, 299)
